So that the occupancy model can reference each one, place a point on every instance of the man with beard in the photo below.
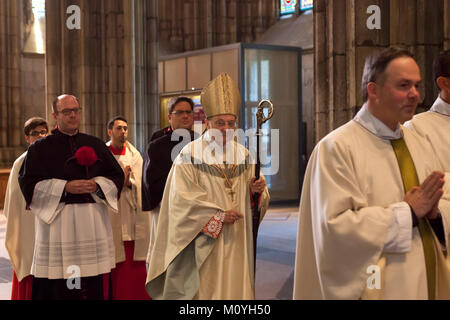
(131, 225)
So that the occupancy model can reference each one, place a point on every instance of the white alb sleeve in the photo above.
(400, 231)
(45, 203)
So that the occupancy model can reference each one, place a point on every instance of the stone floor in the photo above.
(274, 265)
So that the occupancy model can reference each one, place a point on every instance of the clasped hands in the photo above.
(127, 173)
(424, 199)
(81, 186)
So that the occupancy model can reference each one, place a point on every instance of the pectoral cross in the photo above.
(232, 193)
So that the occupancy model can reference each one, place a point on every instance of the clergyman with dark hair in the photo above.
(371, 213)
(174, 119)
(160, 153)
(19, 238)
(131, 226)
(69, 180)
(434, 125)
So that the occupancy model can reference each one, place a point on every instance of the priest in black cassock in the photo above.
(68, 180)
(160, 153)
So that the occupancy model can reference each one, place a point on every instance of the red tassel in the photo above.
(86, 157)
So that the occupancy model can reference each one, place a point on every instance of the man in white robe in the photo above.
(357, 235)
(19, 237)
(204, 241)
(131, 226)
(434, 125)
(68, 180)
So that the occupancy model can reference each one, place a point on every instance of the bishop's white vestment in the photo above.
(186, 263)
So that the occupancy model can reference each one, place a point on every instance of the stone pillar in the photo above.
(246, 21)
(163, 19)
(221, 22)
(11, 137)
(342, 41)
(151, 109)
(429, 41)
(446, 26)
(197, 24)
(320, 71)
(188, 22)
(232, 18)
(259, 18)
(176, 32)
(103, 63)
(208, 26)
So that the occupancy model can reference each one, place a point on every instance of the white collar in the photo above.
(375, 125)
(127, 145)
(440, 106)
(215, 153)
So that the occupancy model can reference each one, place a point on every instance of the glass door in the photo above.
(274, 73)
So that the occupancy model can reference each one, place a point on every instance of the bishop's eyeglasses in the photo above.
(221, 123)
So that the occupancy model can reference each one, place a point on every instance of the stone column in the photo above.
(342, 41)
(196, 24)
(176, 29)
(259, 18)
(446, 26)
(103, 63)
(208, 25)
(151, 110)
(429, 41)
(221, 22)
(246, 21)
(11, 137)
(188, 22)
(233, 20)
(320, 70)
(163, 19)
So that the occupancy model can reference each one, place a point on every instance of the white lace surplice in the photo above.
(70, 235)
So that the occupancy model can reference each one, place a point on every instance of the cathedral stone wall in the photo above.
(342, 41)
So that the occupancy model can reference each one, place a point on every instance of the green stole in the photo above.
(410, 179)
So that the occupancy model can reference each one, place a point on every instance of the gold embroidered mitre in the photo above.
(221, 96)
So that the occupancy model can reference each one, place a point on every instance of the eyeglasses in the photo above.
(68, 112)
(181, 112)
(38, 133)
(221, 123)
